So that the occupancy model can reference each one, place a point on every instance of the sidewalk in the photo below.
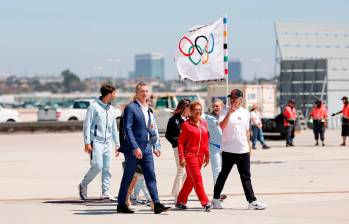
(303, 184)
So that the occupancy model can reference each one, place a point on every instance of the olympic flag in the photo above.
(202, 53)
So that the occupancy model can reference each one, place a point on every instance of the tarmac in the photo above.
(40, 174)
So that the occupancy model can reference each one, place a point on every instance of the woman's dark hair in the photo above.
(106, 89)
(182, 105)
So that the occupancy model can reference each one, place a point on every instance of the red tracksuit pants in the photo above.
(193, 180)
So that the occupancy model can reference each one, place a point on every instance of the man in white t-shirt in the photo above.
(236, 149)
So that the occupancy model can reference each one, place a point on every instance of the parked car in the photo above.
(274, 126)
(8, 115)
(164, 106)
(78, 111)
(47, 114)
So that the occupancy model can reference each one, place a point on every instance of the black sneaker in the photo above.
(208, 207)
(181, 206)
(291, 144)
(158, 208)
(82, 192)
(323, 144)
(266, 147)
(317, 143)
(223, 197)
(254, 147)
(124, 209)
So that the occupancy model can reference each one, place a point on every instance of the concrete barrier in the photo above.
(44, 126)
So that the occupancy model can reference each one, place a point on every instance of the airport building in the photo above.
(262, 94)
(313, 63)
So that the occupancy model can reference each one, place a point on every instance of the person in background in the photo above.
(256, 126)
(215, 139)
(100, 137)
(319, 116)
(140, 186)
(193, 153)
(345, 119)
(290, 117)
(172, 132)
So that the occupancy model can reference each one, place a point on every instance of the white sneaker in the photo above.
(257, 205)
(107, 195)
(82, 192)
(216, 204)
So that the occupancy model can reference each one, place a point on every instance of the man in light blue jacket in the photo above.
(215, 139)
(100, 136)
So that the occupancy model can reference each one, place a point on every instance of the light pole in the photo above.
(257, 61)
(114, 62)
(98, 69)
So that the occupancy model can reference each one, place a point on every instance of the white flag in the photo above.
(202, 52)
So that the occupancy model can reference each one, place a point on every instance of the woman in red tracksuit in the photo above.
(193, 153)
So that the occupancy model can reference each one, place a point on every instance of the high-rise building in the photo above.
(149, 66)
(235, 70)
(314, 64)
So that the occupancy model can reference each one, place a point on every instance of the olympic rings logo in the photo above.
(199, 49)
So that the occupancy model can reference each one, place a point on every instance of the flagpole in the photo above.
(226, 68)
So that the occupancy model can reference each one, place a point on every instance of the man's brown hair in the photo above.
(106, 88)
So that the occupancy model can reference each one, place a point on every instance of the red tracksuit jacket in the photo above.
(193, 140)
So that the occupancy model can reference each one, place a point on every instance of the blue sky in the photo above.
(46, 37)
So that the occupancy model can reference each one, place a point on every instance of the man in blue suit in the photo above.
(136, 144)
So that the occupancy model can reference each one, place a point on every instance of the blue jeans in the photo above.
(147, 164)
(100, 161)
(216, 162)
(290, 134)
(140, 186)
(257, 134)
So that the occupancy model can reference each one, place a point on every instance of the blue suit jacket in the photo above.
(136, 132)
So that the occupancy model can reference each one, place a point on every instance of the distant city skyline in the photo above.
(101, 38)
(149, 66)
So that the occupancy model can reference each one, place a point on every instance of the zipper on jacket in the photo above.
(106, 126)
(199, 140)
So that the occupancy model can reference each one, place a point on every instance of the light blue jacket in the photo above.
(100, 124)
(214, 130)
(157, 145)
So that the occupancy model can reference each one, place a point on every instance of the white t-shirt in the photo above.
(234, 139)
(255, 118)
(144, 109)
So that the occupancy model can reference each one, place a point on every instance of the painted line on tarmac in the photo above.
(78, 201)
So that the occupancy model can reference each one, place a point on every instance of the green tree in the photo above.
(71, 82)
